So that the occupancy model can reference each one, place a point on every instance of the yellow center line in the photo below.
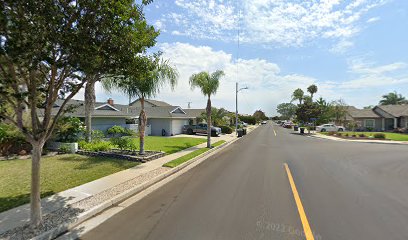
(302, 214)
(274, 132)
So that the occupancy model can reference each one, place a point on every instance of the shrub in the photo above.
(11, 140)
(116, 131)
(362, 135)
(339, 134)
(130, 132)
(346, 134)
(95, 146)
(331, 133)
(226, 129)
(354, 135)
(97, 135)
(248, 119)
(69, 129)
(124, 143)
(64, 149)
(379, 135)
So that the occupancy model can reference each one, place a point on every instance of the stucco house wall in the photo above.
(104, 123)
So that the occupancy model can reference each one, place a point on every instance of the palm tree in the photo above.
(145, 81)
(218, 116)
(393, 98)
(312, 89)
(208, 84)
(298, 94)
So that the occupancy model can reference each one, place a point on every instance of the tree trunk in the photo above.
(35, 197)
(142, 126)
(209, 123)
(89, 107)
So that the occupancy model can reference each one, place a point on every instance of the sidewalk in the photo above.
(317, 135)
(85, 197)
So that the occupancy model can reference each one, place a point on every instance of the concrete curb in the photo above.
(359, 141)
(63, 228)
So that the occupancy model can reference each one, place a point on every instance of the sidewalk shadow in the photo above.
(14, 223)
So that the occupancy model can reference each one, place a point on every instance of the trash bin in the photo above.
(244, 131)
(240, 132)
(302, 130)
(295, 128)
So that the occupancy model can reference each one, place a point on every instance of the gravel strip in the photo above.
(69, 213)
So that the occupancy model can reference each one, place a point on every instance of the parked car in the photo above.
(329, 128)
(263, 122)
(244, 124)
(201, 128)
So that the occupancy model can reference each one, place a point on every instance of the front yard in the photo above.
(63, 172)
(58, 173)
(388, 136)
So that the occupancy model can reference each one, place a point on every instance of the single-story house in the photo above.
(379, 118)
(162, 118)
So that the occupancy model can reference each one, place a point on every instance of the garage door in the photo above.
(177, 126)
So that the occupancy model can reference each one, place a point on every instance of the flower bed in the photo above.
(128, 155)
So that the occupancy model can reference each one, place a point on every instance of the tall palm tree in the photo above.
(298, 94)
(208, 84)
(144, 81)
(312, 89)
(393, 98)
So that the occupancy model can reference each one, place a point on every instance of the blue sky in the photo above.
(355, 50)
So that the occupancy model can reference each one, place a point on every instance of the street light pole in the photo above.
(236, 105)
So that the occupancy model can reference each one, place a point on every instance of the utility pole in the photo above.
(236, 105)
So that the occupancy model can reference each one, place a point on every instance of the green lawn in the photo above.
(170, 145)
(189, 156)
(58, 173)
(389, 136)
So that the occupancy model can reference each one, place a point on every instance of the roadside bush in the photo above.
(354, 135)
(362, 135)
(226, 129)
(339, 134)
(247, 119)
(331, 133)
(379, 135)
(130, 132)
(346, 134)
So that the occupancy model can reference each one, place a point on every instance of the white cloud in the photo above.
(267, 85)
(284, 23)
(342, 46)
(373, 19)
(159, 24)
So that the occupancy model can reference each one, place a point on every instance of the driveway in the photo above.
(348, 191)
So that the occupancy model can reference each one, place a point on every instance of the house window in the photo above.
(369, 123)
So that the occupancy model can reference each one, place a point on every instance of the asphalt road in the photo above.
(348, 190)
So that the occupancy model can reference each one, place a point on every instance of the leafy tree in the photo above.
(286, 110)
(312, 89)
(247, 119)
(259, 115)
(306, 111)
(218, 116)
(69, 129)
(144, 79)
(208, 84)
(339, 111)
(40, 48)
(120, 35)
(393, 98)
(298, 94)
(369, 107)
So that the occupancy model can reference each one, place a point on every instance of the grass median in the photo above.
(191, 155)
(388, 136)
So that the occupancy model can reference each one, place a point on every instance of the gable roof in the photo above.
(361, 113)
(394, 110)
(155, 103)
